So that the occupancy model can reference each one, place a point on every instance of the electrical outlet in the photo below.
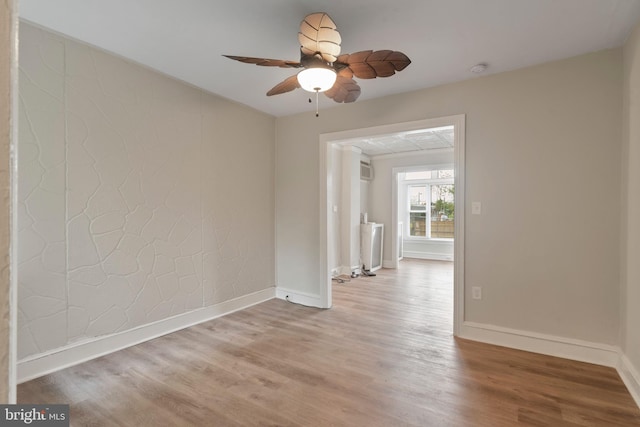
(476, 292)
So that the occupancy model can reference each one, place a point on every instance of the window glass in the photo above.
(442, 211)
(418, 175)
(418, 224)
(442, 207)
(445, 173)
(418, 198)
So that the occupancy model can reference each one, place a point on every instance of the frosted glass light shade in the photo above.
(316, 79)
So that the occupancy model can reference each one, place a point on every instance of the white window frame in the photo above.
(427, 183)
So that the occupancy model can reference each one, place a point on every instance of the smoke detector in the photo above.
(478, 68)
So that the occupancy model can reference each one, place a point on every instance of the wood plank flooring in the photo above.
(383, 356)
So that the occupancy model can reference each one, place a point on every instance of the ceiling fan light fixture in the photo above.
(317, 79)
(321, 62)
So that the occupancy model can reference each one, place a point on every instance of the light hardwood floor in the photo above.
(383, 356)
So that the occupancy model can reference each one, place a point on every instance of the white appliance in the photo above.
(371, 239)
(366, 171)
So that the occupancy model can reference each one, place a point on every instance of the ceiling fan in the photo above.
(324, 69)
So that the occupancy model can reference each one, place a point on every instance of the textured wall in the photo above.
(41, 192)
(140, 197)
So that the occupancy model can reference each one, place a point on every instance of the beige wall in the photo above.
(631, 228)
(140, 197)
(8, 60)
(543, 143)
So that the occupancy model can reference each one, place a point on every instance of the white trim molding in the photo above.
(64, 357)
(551, 345)
(428, 255)
(301, 298)
(630, 377)
(459, 123)
(9, 100)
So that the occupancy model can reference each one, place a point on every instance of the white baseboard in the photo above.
(428, 255)
(73, 354)
(298, 297)
(344, 269)
(630, 377)
(387, 263)
(583, 351)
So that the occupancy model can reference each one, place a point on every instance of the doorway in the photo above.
(328, 208)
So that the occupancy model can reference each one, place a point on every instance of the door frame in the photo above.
(9, 187)
(326, 143)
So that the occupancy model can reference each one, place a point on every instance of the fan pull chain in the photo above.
(317, 113)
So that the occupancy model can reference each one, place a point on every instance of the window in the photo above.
(442, 211)
(418, 210)
(418, 175)
(433, 189)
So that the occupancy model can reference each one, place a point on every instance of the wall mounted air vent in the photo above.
(366, 171)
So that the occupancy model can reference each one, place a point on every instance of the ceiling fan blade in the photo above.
(285, 86)
(265, 62)
(318, 34)
(369, 64)
(345, 89)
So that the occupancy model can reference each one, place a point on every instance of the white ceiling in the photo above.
(444, 38)
(403, 142)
